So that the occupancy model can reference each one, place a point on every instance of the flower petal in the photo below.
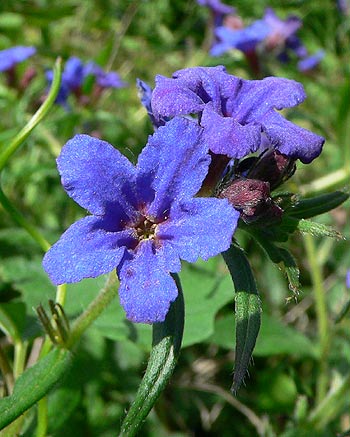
(227, 137)
(174, 162)
(201, 227)
(85, 250)
(146, 287)
(292, 140)
(96, 175)
(165, 105)
(257, 97)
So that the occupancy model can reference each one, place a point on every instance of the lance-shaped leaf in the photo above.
(247, 309)
(33, 384)
(307, 208)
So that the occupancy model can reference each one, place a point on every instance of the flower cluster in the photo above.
(146, 218)
(74, 75)
(269, 34)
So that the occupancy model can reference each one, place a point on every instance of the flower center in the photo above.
(145, 229)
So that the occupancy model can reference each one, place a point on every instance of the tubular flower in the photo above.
(144, 217)
(235, 113)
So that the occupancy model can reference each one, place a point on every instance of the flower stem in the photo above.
(41, 429)
(61, 293)
(37, 117)
(19, 358)
(332, 181)
(18, 218)
(16, 143)
(322, 317)
(167, 338)
(95, 308)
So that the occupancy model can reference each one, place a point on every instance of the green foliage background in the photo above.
(140, 39)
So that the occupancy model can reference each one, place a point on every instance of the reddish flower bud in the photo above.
(252, 198)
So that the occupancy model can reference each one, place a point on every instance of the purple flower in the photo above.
(245, 39)
(144, 218)
(103, 79)
(347, 279)
(145, 96)
(217, 7)
(236, 113)
(280, 30)
(311, 62)
(72, 79)
(74, 75)
(12, 56)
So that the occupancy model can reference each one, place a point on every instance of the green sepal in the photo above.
(34, 384)
(166, 345)
(247, 311)
(307, 208)
(292, 224)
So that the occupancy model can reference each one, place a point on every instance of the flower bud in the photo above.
(252, 198)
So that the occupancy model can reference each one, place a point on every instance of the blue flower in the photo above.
(217, 6)
(311, 62)
(72, 80)
(347, 280)
(12, 56)
(144, 218)
(236, 113)
(103, 79)
(74, 75)
(245, 39)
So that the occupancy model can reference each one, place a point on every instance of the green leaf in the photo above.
(33, 384)
(275, 338)
(247, 310)
(307, 208)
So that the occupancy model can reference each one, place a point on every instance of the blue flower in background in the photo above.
(311, 62)
(347, 280)
(74, 75)
(270, 34)
(236, 113)
(245, 39)
(218, 10)
(144, 218)
(9, 58)
(103, 79)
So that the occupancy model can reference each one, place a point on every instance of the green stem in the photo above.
(19, 358)
(330, 407)
(95, 308)
(330, 182)
(321, 313)
(61, 294)
(166, 345)
(41, 430)
(37, 117)
(18, 218)
(16, 143)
